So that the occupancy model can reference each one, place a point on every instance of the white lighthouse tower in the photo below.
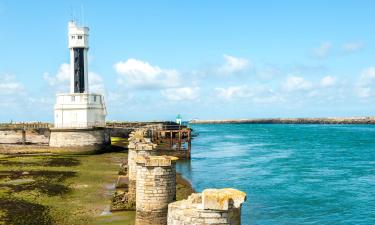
(79, 108)
(79, 115)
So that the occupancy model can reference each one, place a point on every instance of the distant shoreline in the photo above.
(331, 120)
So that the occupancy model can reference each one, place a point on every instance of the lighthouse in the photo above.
(80, 108)
(79, 118)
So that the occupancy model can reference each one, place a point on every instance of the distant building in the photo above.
(179, 119)
(79, 108)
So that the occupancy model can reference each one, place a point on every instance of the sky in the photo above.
(209, 59)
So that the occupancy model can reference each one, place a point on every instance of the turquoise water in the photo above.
(292, 174)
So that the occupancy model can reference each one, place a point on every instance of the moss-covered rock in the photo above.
(120, 202)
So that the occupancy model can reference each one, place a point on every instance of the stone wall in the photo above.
(14, 136)
(95, 137)
(213, 206)
(156, 188)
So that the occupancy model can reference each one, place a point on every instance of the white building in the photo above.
(79, 108)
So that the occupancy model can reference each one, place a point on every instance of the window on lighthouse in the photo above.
(79, 37)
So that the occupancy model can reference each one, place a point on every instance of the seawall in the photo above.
(332, 120)
(19, 136)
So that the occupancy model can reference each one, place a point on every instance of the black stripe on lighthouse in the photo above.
(79, 70)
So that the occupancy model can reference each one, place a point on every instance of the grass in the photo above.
(59, 189)
(64, 189)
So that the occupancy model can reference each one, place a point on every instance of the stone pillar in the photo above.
(23, 136)
(213, 206)
(156, 188)
(138, 146)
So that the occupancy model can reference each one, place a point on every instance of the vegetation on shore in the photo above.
(59, 189)
(64, 189)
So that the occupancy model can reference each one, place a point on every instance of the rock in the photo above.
(123, 169)
(219, 199)
(120, 202)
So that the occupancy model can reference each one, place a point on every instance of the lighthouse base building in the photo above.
(80, 139)
(79, 115)
(79, 110)
(80, 122)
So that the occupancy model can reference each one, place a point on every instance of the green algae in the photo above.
(65, 189)
(59, 189)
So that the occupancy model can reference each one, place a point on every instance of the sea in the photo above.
(291, 173)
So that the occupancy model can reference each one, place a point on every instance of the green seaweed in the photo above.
(54, 186)
(32, 213)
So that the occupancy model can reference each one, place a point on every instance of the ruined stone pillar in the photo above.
(138, 147)
(132, 173)
(213, 206)
(23, 136)
(156, 188)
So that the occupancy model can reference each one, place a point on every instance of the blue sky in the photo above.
(203, 59)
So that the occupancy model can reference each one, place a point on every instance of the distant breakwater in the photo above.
(334, 120)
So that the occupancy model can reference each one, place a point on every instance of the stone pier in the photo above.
(212, 206)
(138, 146)
(156, 188)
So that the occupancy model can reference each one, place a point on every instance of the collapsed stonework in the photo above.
(212, 206)
(139, 145)
(156, 188)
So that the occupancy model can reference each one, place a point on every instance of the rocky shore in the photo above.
(332, 120)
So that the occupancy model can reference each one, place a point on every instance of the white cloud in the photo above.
(327, 81)
(180, 94)
(14, 98)
(365, 86)
(96, 84)
(233, 65)
(140, 74)
(233, 92)
(323, 50)
(10, 86)
(258, 94)
(352, 46)
(60, 81)
(295, 83)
